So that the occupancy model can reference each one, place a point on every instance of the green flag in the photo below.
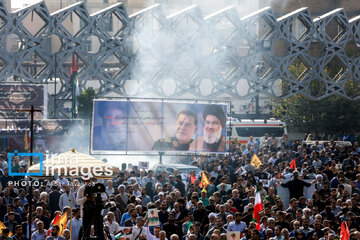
(188, 226)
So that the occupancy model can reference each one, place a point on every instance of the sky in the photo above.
(20, 3)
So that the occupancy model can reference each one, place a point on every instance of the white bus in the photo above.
(242, 130)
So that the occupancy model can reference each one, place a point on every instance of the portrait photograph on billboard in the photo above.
(144, 126)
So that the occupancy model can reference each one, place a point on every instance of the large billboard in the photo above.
(19, 97)
(133, 126)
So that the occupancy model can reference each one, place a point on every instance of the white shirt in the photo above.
(109, 191)
(136, 232)
(38, 236)
(233, 226)
(146, 179)
(272, 160)
(114, 227)
(65, 200)
(23, 163)
(5, 164)
(149, 236)
(348, 188)
(76, 225)
(80, 198)
(137, 194)
(63, 182)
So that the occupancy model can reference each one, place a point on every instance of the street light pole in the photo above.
(55, 85)
(257, 106)
(161, 154)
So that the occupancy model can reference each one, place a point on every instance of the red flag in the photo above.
(192, 179)
(257, 208)
(54, 222)
(344, 232)
(293, 164)
(278, 178)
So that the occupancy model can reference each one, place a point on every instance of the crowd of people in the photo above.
(188, 211)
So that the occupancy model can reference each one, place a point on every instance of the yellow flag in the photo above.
(62, 223)
(255, 161)
(2, 226)
(26, 140)
(204, 180)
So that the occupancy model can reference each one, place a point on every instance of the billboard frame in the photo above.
(160, 152)
(44, 98)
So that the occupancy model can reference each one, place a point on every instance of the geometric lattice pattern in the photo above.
(185, 55)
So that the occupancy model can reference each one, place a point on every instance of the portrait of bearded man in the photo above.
(212, 139)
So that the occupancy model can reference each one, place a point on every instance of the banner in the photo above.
(20, 97)
(285, 195)
(41, 127)
(153, 217)
(144, 165)
(158, 126)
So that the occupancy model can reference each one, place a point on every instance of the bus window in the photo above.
(259, 131)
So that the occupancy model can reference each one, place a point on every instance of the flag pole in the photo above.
(71, 204)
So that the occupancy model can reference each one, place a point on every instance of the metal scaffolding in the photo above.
(184, 55)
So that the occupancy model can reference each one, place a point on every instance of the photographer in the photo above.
(94, 197)
(81, 195)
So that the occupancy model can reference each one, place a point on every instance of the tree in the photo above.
(327, 116)
(85, 103)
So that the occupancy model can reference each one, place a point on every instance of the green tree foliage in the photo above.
(327, 116)
(85, 106)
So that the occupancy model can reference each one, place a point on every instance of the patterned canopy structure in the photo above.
(184, 55)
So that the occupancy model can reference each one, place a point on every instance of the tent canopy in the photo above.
(75, 164)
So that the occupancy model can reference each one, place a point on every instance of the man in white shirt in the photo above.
(109, 188)
(237, 225)
(159, 235)
(251, 141)
(149, 178)
(112, 225)
(76, 224)
(65, 198)
(63, 182)
(39, 234)
(139, 229)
